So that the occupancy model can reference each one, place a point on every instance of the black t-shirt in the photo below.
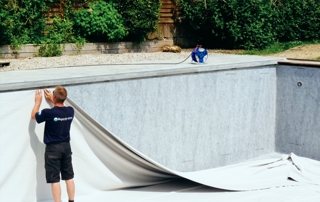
(58, 121)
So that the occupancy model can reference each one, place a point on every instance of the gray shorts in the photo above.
(58, 160)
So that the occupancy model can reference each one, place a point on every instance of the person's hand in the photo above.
(48, 95)
(38, 97)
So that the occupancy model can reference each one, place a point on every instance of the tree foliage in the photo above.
(297, 20)
(251, 24)
(25, 21)
(100, 22)
(22, 21)
(140, 17)
(248, 24)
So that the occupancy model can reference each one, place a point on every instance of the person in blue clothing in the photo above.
(193, 53)
(199, 54)
(58, 152)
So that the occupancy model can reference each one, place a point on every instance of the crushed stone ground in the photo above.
(301, 52)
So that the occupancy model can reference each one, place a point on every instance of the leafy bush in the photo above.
(101, 22)
(251, 24)
(50, 50)
(297, 20)
(231, 24)
(140, 17)
(22, 22)
(3, 16)
(59, 32)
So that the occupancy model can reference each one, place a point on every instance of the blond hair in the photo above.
(60, 93)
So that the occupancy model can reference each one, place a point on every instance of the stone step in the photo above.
(166, 15)
(166, 20)
(166, 10)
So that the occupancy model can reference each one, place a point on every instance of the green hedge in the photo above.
(24, 21)
(297, 20)
(251, 24)
(140, 17)
(100, 22)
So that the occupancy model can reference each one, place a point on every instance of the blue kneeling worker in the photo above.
(58, 152)
(199, 54)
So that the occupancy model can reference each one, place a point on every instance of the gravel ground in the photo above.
(90, 59)
(302, 52)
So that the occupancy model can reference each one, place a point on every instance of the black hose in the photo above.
(165, 63)
(173, 63)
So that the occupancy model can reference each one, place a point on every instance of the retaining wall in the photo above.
(31, 50)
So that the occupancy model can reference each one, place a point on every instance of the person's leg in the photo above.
(70, 189)
(56, 191)
(67, 171)
(52, 166)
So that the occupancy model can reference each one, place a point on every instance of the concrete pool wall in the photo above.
(199, 121)
(298, 111)
(189, 122)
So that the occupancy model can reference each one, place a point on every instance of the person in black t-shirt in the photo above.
(57, 139)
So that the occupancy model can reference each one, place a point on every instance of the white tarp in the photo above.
(102, 162)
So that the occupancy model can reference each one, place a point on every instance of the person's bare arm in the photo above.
(36, 107)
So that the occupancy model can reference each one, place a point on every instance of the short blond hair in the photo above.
(60, 93)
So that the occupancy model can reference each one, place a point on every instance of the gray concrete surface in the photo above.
(29, 79)
(298, 111)
(189, 122)
(193, 117)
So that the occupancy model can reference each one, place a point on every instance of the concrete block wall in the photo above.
(189, 122)
(30, 50)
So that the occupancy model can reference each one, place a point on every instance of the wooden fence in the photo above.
(58, 7)
(171, 26)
